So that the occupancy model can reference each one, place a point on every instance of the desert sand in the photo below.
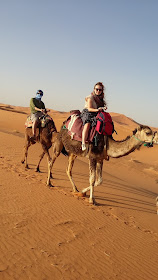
(47, 233)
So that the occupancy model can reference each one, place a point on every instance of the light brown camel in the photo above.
(156, 138)
(44, 136)
(107, 147)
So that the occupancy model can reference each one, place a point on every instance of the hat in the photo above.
(39, 92)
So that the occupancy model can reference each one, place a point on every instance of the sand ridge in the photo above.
(47, 233)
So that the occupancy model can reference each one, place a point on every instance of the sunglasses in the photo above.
(98, 89)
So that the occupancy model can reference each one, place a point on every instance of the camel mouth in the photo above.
(148, 144)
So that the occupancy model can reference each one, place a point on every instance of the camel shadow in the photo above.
(102, 193)
(125, 204)
(107, 198)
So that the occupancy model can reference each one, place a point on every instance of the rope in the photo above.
(146, 144)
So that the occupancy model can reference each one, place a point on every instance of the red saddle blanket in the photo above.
(75, 126)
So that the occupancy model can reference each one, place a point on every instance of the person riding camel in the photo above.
(37, 108)
(95, 103)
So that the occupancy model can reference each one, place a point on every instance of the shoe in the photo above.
(83, 147)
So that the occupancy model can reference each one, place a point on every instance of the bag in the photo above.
(44, 120)
(105, 124)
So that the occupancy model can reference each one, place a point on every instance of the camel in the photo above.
(155, 140)
(44, 136)
(107, 147)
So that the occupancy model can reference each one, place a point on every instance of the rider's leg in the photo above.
(85, 135)
(34, 126)
(35, 122)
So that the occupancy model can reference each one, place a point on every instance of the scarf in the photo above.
(99, 100)
(38, 97)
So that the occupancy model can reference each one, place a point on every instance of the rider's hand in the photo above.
(100, 109)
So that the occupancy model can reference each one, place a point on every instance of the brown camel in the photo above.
(107, 147)
(43, 136)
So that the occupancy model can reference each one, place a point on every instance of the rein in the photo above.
(146, 144)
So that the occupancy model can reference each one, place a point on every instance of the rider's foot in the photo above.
(83, 147)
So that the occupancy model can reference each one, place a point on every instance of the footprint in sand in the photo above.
(21, 224)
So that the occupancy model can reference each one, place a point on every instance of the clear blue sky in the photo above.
(65, 46)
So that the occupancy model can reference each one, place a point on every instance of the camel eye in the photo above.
(148, 133)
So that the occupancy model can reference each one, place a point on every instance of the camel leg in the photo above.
(71, 160)
(99, 179)
(92, 177)
(99, 168)
(26, 147)
(58, 145)
(49, 160)
(41, 157)
(45, 151)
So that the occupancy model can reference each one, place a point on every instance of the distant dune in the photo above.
(48, 233)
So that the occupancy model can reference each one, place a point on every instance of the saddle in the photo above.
(43, 121)
(74, 126)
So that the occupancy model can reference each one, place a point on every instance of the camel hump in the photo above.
(45, 119)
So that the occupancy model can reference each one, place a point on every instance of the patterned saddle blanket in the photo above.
(75, 126)
(43, 121)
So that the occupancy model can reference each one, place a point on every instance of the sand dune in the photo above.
(51, 234)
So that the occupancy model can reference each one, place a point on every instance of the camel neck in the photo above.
(121, 148)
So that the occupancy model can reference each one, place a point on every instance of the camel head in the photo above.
(144, 134)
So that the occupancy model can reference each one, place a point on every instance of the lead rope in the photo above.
(145, 144)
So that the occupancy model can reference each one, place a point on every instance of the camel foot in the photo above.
(49, 185)
(22, 161)
(83, 194)
(27, 167)
(38, 170)
(92, 201)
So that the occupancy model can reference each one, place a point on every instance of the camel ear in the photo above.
(139, 128)
(134, 131)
